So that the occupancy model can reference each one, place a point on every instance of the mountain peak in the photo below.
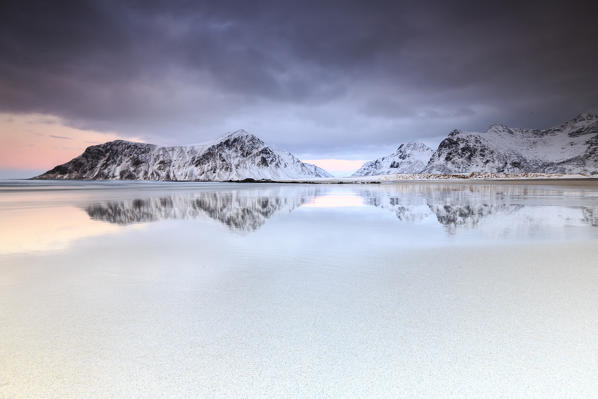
(581, 121)
(413, 146)
(123, 143)
(497, 128)
(242, 136)
(240, 133)
(585, 116)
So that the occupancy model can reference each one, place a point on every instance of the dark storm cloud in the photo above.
(320, 78)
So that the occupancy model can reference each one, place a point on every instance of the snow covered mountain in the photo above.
(237, 156)
(571, 148)
(408, 158)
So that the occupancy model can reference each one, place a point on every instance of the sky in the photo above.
(335, 82)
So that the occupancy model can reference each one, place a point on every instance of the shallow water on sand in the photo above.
(155, 290)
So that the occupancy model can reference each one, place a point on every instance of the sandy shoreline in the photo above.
(572, 180)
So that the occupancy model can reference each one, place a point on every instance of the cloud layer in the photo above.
(323, 79)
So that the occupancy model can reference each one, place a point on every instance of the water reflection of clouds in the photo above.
(47, 228)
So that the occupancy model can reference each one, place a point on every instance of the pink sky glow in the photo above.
(35, 141)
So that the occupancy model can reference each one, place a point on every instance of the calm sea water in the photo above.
(156, 290)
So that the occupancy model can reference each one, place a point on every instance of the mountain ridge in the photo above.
(570, 148)
(236, 156)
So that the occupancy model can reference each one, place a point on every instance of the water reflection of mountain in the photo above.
(502, 209)
(461, 206)
(240, 210)
(590, 216)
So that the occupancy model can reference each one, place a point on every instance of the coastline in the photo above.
(485, 178)
(390, 179)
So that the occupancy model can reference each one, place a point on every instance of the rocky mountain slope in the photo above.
(571, 148)
(237, 156)
(408, 158)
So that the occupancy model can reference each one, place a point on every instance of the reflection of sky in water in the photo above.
(335, 201)
(42, 217)
(419, 290)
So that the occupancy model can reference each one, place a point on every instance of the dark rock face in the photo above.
(465, 155)
(95, 161)
(238, 156)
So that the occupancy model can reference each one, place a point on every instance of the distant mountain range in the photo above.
(237, 156)
(571, 148)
